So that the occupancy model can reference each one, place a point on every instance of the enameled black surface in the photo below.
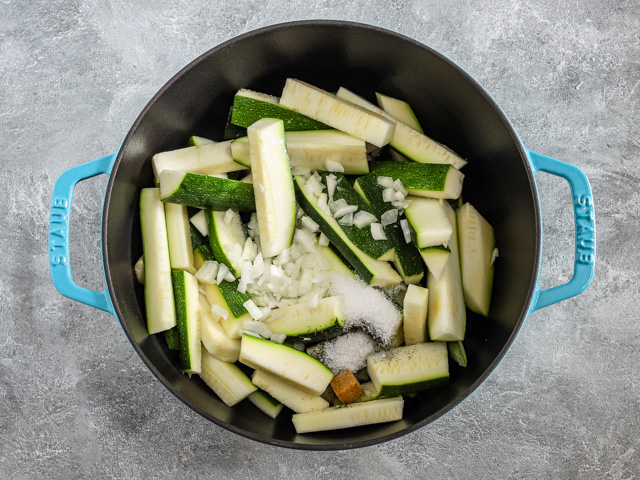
(452, 109)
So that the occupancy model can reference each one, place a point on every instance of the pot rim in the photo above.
(492, 366)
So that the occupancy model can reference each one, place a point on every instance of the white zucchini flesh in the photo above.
(179, 237)
(337, 113)
(303, 319)
(416, 302)
(313, 149)
(209, 159)
(187, 301)
(224, 237)
(409, 369)
(447, 318)
(199, 220)
(266, 403)
(225, 379)
(335, 262)
(272, 186)
(297, 400)
(158, 289)
(436, 260)
(293, 366)
(411, 143)
(214, 338)
(429, 221)
(232, 325)
(400, 110)
(351, 415)
(477, 243)
(199, 141)
(263, 97)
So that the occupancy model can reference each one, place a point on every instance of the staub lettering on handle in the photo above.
(585, 230)
(58, 234)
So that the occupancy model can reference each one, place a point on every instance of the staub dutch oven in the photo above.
(453, 109)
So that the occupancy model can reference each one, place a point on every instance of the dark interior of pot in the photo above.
(451, 108)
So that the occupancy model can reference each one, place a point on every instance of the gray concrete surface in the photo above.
(76, 401)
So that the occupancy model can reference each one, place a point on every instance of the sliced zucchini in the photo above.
(208, 158)
(232, 131)
(225, 379)
(266, 403)
(297, 400)
(197, 238)
(351, 415)
(447, 318)
(313, 149)
(430, 180)
(411, 143)
(195, 141)
(226, 237)
(361, 237)
(309, 323)
(335, 262)
(179, 237)
(399, 110)
(293, 366)
(457, 353)
(477, 243)
(250, 106)
(406, 256)
(428, 221)
(158, 291)
(187, 300)
(436, 258)
(214, 337)
(370, 392)
(272, 185)
(372, 271)
(416, 303)
(409, 369)
(337, 113)
(205, 191)
(172, 336)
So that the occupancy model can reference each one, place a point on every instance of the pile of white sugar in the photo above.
(366, 307)
(348, 351)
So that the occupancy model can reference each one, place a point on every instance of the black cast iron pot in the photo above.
(452, 108)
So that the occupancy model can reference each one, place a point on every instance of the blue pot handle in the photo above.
(585, 228)
(59, 220)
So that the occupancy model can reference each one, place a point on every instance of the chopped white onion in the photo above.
(219, 311)
(387, 194)
(332, 182)
(341, 212)
(338, 204)
(306, 240)
(249, 251)
(397, 184)
(253, 309)
(389, 217)
(208, 271)
(223, 270)
(228, 216)
(333, 166)
(300, 170)
(242, 287)
(347, 219)
(398, 196)
(323, 206)
(199, 220)
(377, 231)
(283, 258)
(309, 223)
(406, 230)
(313, 303)
(256, 327)
(229, 277)
(323, 240)
(363, 219)
(385, 181)
(278, 337)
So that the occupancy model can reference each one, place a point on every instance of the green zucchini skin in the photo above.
(172, 336)
(246, 111)
(408, 257)
(361, 237)
(205, 191)
(418, 178)
(187, 320)
(197, 238)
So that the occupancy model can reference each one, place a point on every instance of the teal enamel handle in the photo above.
(585, 231)
(59, 220)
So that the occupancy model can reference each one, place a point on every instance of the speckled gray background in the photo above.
(76, 401)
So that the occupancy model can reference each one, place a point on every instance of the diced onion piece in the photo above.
(310, 224)
(208, 271)
(247, 272)
(323, 206)
(199, 220)
(300, 171)
(406, 230)
(333, 166)
(219, 311)
(323, 240)
(377, 231)
(313, 303)
(253, 309)
(223, 270)
(338, 204)
(257, 327)
(278, 337)
(397, 184)
(363, 219)
(283, 258)
(389, 217)
(242, 287)
(388, 194)
(385, 181)
(346, 220)
(229, 277)
(341, 212)
(332, 182)
(306, 240)
(249, 251)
